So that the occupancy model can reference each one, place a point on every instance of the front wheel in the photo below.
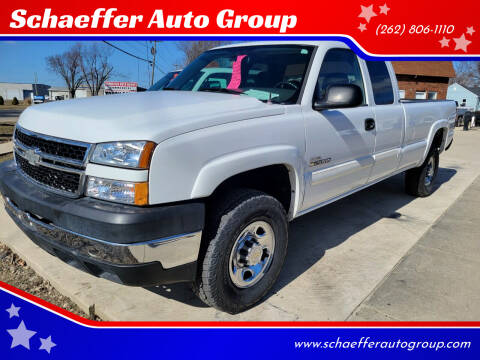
(246, 244)
(419, 181)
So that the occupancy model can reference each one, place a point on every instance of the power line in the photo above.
(150, 62)
(126, 52)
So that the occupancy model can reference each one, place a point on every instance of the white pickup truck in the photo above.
(197, 182)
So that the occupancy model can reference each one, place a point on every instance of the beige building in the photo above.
(22, 91)
(62, 93)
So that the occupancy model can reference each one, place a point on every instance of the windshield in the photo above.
(164, 81)
(268, 72)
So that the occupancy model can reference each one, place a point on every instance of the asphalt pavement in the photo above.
(10, 115)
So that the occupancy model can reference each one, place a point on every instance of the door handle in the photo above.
(369, 124)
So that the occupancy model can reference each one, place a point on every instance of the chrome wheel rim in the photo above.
(252, 254)
(430, 173)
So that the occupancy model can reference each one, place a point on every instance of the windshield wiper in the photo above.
(223, 90)
(169, 88)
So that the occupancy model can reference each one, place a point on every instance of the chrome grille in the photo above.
(54, 163)
(47, 146)
(50, 177)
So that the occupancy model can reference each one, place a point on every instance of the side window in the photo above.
(381, 83)
(339, 67)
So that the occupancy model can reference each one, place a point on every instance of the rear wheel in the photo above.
(420, 181)
(244, 251)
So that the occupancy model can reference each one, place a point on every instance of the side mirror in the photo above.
(340, 96)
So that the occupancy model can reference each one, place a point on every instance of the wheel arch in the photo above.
(230, 169)
(437, 137)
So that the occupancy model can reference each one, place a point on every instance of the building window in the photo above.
(432, 95)
(420, 95)
(401, 93)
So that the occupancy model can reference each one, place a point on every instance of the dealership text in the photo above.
(109, 18)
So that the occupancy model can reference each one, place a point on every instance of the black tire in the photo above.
(229, 217)
(416, 183)
(459, 121)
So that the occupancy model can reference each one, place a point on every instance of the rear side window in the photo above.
(381, 83)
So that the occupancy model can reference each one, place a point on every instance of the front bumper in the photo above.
(126, 244)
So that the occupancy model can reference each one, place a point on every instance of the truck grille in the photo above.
(50, 177)
(56, 164)
(55, 148)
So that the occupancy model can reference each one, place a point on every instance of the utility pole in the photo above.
(154, 52)
(35, 87)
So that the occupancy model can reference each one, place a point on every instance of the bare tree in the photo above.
(95, 67)
(192, 49)
(468, 73)
(68, 66)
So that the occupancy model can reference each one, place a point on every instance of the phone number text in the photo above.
(400, 29)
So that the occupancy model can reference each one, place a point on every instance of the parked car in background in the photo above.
(198, 183)
(164, 81)
(461, 110)
(38, 99)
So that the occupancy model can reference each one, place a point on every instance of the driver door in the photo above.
(339, 149)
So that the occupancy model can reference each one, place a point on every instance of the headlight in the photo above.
(118, 191)
(131, 154)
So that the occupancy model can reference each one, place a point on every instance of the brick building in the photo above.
(423, 79)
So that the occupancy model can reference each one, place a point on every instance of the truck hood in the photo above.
(154, 116)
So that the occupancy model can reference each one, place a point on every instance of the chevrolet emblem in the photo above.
(32, 156)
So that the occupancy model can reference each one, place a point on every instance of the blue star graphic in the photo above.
(47, 344)
(13, 311)
(21, 336)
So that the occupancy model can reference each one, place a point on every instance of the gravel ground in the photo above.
(16, 272)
